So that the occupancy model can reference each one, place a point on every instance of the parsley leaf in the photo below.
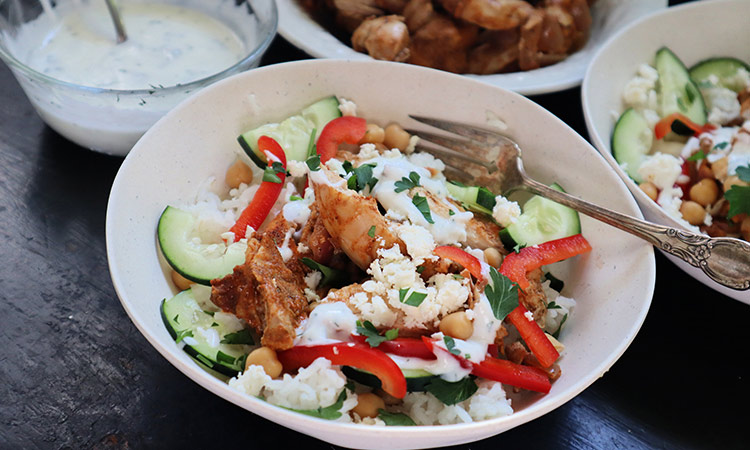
(313, 163)
(423, 207)
(361, 176)
(743, 173)
(517, 248)
(414, 299)
(294, 198)
(271, 173)
(329, 412)
(407, 183)
(721, 145)
(452, 393)
(553, 305)
(395, 419)
(697, 156)
(502, 294)
(330, 275)
(739, 200)
(451, 212)
(374, 338)
(450, 344)
(556, 334)
(242, 337)
(371, 233)
(420, 269)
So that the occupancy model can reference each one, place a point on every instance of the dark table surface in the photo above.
(76, 373)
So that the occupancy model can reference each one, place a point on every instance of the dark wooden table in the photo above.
(75, 372)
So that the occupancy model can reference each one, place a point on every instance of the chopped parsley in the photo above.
(697, 156)
(739, 200)
(242, 337)
(414, 299)
(553, 305)
(395, 419)
(360, 176)
(407, 183)
(423, 207)
(329, 412)
(330, 275)
(450, 344)
(294, 198)
(517, 248)
(272, 172)
(721, 145)
(371, 233)
(501, 293)
(743, 173)
(374, 338)
(452, 393)
(556, 334)
(420, 269)
(313, 163)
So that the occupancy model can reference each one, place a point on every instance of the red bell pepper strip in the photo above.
(349, 354)
(524, 377)
(455, 254)
(664, 126)
(408, 347)
(515, 266)
(347, 129)
(267, 194)
(685, 187)
(534, 337)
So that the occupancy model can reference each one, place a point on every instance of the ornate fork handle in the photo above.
(724, 260)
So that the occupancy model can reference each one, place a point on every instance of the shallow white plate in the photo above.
(616, 63)
(613, 284)
(609, 16)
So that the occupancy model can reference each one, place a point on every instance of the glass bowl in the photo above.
(112, 120)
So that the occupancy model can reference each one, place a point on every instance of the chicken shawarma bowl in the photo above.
(321, 268)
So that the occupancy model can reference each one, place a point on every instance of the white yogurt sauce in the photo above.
(167, 45)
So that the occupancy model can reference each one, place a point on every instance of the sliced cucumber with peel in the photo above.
(676, 91)
(474, 198)
(631, 142)
(725, 70)
(542, 220)
(219, 341)
(294, 133)
(191, 260)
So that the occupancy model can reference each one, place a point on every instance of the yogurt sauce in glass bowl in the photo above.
(103, 95)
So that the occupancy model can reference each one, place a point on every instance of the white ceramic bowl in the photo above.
(613, 284)
(609, 16)
(112, 120)
(617, 62)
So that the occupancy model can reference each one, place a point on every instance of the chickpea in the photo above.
(373, 135)
(705, 192)
(734, 180)
(396, 137)
(720, 167)
(692, 212)
(237, 174)
(368, 405)
(457, 325)
(266, 358)
(493, 257)
(745, 228)
(649, 189)
(181, 282)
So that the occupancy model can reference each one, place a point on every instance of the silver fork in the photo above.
(485, 158)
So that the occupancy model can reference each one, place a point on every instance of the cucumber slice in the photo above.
(293, 133)
(677, 92)
(724, 69)
(219, 341)
(416, 379)
(632, 139)
(190, 260)
(474, 198)
(542, 220)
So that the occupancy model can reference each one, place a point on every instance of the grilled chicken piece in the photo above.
(533, 298)
(490, 14)
(351, 13)
(384, 37)
(348, 217)
(266, 291)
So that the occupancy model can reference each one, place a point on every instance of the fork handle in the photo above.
(724, 260)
